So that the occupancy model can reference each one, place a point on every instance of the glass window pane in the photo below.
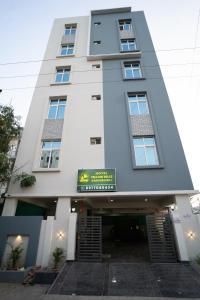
(128, 73)
(52, 112)
(63, 51)
(70, 51)
(62, 101)
(65, 77)
(149, 141)
(54, 102)
(138, 141)
(58, 77)
(54, 159)
(136, 73)
(151, 156)
(73, 31)
(132, 46)
(126, 26)
(143, 108)
(142, 97)
(55, 144)
(133, 107)
(61, 111)
(44, 159)
(125, 47)
(46, 145)
(140, 156)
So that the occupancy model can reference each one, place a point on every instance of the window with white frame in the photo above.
(62, 75)
(128, 45)
(50, 154)
(132, 70)
(138, 104)
(125, 24)
(67, 49)
(145, 151)
(57, 108)
(70, 29)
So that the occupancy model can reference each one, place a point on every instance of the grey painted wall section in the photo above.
(21, 226)
(52, 129)
(107, 33)
(118, 152)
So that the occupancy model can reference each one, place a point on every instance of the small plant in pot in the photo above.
(25, 179)
(15, 255)
(57, 257)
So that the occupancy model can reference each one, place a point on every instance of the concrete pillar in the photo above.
(71, 241)
(179, 237)
(46, 253)
(189, 224)
(63, 209)
(9, 208)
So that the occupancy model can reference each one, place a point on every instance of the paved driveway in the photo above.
(128, 279)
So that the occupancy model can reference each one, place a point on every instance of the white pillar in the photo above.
(71, 240)
(190, 226)
(63, 209)
(179, 237)
(9, 208)
(46, 255)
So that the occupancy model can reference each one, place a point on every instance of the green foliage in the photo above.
(15, 255)
(25, 179)
(57, 256)
(9, 129)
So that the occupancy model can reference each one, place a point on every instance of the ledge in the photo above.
(111, 11)
(37, 170)
(104, 194)
(65, 56)
(148, 167)
(128, 79)
(62, 83)
(135, 54)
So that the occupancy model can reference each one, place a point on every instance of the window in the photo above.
(57, 109)
(96, 97)
(132, 70)
(50, 154)
(67, 49)
(96, 66)
(70, 29)
(95, 140)
(138, 104)
(125, 24)
(128, 45)
(96, 24)
(97, 42)
(145, 151)
(62, 75)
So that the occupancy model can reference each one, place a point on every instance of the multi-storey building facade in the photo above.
(100, 103)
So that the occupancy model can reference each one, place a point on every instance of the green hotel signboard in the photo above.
(96, 180)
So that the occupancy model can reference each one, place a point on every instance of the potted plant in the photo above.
(15, 255)
(25, 179)
(57, 257)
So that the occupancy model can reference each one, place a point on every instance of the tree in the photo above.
(9, 130)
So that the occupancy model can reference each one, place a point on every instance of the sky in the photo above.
(173, 24)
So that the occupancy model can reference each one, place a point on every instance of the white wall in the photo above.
(83, 118)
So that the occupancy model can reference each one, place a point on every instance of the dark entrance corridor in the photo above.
(124, 238)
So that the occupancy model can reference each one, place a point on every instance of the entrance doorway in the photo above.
(124, 238)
